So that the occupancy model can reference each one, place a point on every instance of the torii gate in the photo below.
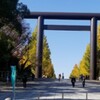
(41, 16)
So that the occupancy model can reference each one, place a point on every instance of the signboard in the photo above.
(13, 75)
(13, 79)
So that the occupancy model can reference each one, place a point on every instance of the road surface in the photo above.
(49, 89)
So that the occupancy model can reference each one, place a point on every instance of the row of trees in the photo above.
(84, 66)
(13, 30)
(15, 35)
(29, 57)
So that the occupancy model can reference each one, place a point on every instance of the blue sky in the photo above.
(67, 47)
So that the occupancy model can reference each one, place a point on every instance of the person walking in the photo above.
(62, 75)
(73, 80)
(59, 77)
(24, 81)
(83, 81)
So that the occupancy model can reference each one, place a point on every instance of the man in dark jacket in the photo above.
(73, 80)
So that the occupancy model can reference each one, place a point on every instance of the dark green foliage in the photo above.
(11, 13)
(13, 30)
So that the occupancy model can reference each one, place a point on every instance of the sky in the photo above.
(67, 47)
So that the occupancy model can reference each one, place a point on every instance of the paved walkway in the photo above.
(48, 89)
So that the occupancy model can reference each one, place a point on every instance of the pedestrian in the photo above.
(24, 79)
(59, 77)
(81, 77)
(83, 81)
(62, 75)
(73, 80)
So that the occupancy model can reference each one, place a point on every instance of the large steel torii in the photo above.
(93, 17)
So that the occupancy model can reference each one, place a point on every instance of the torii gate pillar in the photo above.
(93, 46)
(39, 51)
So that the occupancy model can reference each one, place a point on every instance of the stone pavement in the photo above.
(49, 89)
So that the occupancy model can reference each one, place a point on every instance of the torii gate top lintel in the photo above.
(63, 15)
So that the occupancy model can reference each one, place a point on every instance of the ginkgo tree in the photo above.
(75, 72)
(98, 51)
(84, 66)
(30, 56)
(83, 69)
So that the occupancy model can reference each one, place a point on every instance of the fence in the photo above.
(57, 96)
(68, 96)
